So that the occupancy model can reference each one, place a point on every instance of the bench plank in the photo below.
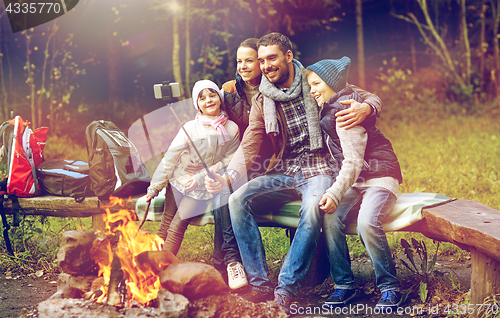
(467, 224)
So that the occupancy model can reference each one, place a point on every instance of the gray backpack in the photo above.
(116, 168)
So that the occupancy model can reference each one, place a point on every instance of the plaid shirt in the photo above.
(298, 157)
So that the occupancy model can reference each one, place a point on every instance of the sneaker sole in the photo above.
(340, 302)
(238, 286)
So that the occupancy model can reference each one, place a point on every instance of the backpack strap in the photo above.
(5, 223)
(16, 219)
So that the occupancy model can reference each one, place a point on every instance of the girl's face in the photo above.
(319, 89)
(248, 66)
(209, 102)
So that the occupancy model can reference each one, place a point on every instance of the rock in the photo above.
(67, 292)
(193, 280)
(172, 305)
(74, 254)
(232, 306)
(81, 282)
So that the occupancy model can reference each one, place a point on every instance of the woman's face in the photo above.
(248, 66)
(319, 89)
(209, 103)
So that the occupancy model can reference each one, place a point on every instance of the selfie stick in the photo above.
(210, 174)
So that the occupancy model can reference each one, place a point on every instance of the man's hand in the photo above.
(327, 204)
(192, 184)
(190, 164)
(217, 185)
(354, 115)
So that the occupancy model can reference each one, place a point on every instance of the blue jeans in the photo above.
(369, 205)
(225, 246)
(267, 193)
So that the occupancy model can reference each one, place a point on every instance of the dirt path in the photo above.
(20, 291)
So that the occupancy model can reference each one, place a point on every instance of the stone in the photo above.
(81, 282)
(172, 305)
(67, 292)
(74, 254)
(193, 280)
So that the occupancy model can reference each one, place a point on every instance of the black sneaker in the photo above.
(257, 296)
(284, 301)
(390, 298)
(341, 297)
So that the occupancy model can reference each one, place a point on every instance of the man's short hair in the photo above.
(276, 38)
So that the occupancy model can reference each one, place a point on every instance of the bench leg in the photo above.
(485, 279)
(97, 222)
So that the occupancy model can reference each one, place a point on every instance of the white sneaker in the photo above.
(236, 275)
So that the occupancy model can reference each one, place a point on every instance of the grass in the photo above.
(458, 156)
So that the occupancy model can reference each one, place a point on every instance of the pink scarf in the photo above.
(217, 123)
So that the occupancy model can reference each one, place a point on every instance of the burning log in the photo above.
(155, 261)
(115, 296)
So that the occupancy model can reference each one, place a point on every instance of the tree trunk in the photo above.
(360, 42)
(3, 111)
(175, 54)
(43, 94)
(188, 49)
(496, 50)
(482, 41)
(465, 33)
(30, 81)
(114, 73)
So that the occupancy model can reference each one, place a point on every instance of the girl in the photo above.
(216, 138)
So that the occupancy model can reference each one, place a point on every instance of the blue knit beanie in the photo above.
(333, 72)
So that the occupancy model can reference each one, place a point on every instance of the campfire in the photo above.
(116, 252)
(122, 272)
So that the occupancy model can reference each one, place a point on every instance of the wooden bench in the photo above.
(471, 226)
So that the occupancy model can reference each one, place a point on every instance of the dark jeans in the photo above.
(225, 245)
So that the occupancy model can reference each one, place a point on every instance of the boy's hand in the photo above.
(327, 204)
(354, 115)
(148, 197)
(217, 185)
(190, 164)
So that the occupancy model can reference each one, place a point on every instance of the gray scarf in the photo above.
(272, 93)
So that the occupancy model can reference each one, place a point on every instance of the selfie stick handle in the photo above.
(192, 144)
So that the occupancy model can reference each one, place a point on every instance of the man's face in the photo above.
(275, 65)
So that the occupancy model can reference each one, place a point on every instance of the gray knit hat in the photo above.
(333, 72)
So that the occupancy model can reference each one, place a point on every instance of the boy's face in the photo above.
(209, 102)
(319, 89)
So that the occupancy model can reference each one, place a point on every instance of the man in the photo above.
(285, 111)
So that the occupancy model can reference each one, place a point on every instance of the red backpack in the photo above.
(22, 151)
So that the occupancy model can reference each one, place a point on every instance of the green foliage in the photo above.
(491, 307)
(36, 242)
(422, 291)
(423, 268)
(64, 148)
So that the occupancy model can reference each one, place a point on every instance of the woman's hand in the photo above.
(327, 204)
(354, 115)
(190, 164)
(192, 184)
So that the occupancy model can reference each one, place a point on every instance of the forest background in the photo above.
(435, 64)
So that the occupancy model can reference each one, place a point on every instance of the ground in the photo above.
(20, 292)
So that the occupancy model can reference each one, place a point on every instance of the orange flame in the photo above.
(141, 286)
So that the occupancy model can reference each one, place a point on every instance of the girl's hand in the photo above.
(192, 184)
(327, 204)
(190, 164)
